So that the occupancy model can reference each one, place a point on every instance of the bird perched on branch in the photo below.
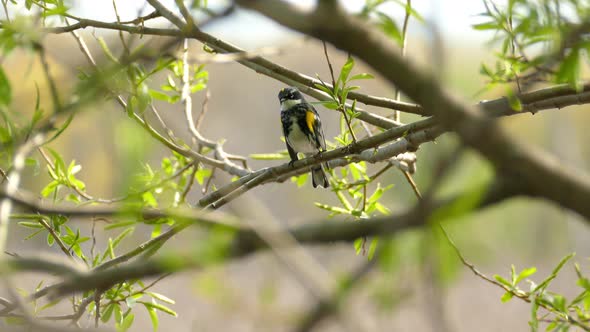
(303, 131)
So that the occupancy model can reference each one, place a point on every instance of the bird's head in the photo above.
(289, 97)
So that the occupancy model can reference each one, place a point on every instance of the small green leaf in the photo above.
(514, 101)
(559, 303)
(202, 174)
(562, 263)
(153, 317)
(107, 312)
(390, 27)
(300, 180)
(345, 70)
(334, 209)
(325, 89)
(570, 69)
(5, 89)
(30, 224)
(502, 280)
(161, 297)
(149, 199)
(126, 324)
(269, 156)
(506, 297)
(158, 95)
(492, 25)
(362, 76)
(49, 305)
(159, 307)
(372, 248)
(122, 236)
(50, 240)
(525, 273)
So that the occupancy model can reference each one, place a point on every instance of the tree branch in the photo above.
(541, 174)
(245, 242)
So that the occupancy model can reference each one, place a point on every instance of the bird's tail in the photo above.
(318, 177)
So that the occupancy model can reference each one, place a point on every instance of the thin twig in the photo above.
(412, 184)
(398, 93)
(515, 292)
(342, 107)
(56, 237)
(189, 185)
(123, 42)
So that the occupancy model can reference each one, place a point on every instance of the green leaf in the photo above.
(534, 323)
(362, 76)
(149, 199)
(126, 324)
(120, 224)
(372, 248)
(161, 297)
(584, 283)
(49, 305)
(159, 307)
(325, 89)
(334, 209)
(389, 27)
(562, 263)
(545, 283)
(525, 273)
(345, 70)
(50, 240)
(559, 303)
(34, 163)
(121, 236)
(269, 156)
(514, 101)
(60, 165)
(144, 97)
(202, 174)
(5, 90)
(570, 69)
(506, 297)
(492, 25)
(502, 280)
(61, 129)
(30, 224)
(158, 95)
(107, 312)
(153, 317)
(300, 180)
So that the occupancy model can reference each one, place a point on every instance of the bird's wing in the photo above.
(314, 125)
(287, 123)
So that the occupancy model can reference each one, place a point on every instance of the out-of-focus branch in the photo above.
(202, 217)
(541, 174)
(246, 241)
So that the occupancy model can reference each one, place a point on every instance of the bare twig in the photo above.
(398, 93)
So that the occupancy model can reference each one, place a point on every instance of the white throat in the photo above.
(285, 105)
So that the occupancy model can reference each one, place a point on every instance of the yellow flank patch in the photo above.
(310, 119)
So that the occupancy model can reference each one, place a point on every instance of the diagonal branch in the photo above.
(541, 174)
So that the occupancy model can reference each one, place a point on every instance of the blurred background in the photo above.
(423, 287)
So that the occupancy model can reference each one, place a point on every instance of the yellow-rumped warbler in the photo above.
(303, 131)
